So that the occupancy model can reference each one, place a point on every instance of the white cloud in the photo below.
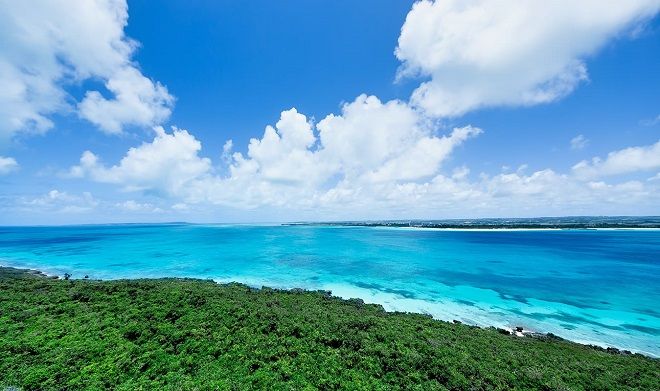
(166, 164)
(49, 45)
(227, 151)
(633, 159)
(134, 206)
(579, 142)
(423, 158)
(385, 141)
(369, 133)
(502, 53)
(283, 153)
(7, 165)
(304, 170)
(370, 142)
(138, 101)
(60, 202)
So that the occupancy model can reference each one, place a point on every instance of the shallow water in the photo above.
(592, 286)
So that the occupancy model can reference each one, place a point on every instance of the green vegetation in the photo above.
(195, 334)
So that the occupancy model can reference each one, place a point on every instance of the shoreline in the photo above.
(495, 229)
(510, 327)
(477, 229)
(517, 331)
(188, 333)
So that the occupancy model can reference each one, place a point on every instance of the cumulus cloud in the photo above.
(350, 166)
(368, 143)
(7, 165)
(138, 101)
(385, 141)
(50, 45)
(579, 142)
(282, 154)
(633, 159)
(166, 164)
(504, 53)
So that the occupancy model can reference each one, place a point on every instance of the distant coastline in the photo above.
(545, 223)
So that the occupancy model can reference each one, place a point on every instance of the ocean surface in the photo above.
(590, 286)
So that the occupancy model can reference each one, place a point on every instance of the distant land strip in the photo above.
(580, 222)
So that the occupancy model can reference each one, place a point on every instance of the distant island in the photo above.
(576, 222)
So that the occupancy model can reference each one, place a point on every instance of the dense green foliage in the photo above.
(195, 334)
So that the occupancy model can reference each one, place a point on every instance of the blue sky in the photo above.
(517, 89)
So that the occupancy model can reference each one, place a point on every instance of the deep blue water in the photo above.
(594, 286)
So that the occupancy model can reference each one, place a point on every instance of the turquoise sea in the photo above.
(591, 286)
